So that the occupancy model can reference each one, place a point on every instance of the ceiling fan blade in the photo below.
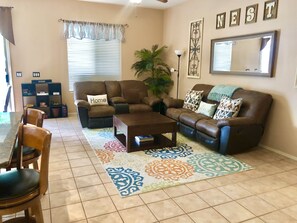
(164, 1)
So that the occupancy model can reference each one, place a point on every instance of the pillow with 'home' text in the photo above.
(97, 99)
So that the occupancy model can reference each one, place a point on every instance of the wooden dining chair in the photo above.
(22, 189)
(30, 155)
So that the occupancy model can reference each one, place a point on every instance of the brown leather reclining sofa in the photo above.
(127, 96)
(227, 136)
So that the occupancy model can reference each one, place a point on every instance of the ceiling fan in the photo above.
(164, 1)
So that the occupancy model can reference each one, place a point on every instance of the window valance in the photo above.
(93, 31)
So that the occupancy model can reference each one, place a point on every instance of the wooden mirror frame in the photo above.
(254, 72)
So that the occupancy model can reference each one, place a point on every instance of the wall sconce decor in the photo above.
(195, 49)
(178, 54)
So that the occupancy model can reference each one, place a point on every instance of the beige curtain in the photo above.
(6, 24)
(93, 31)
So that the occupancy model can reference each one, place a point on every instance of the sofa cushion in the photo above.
(136, 108)
(208, 127)
(192, 99)
(132, 96)
(174, 113)
(84, 88)
(190, 118)
(228, 108)
(206, 109)
(97, 99)
(101, 111)
(113, 89)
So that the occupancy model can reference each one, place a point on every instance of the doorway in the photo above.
(5, 76)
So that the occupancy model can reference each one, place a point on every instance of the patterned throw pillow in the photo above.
(97, 99)
(228, 108)
(206, 109)
(192, 100)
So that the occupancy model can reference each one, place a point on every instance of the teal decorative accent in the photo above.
(182, 150)
(218, 91)
(126, 180)
(213, 164)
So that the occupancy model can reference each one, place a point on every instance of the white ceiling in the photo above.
(145, 3)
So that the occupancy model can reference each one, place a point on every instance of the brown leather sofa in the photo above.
(127, 96)
(227, 136)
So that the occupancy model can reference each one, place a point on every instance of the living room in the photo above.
(40, 46)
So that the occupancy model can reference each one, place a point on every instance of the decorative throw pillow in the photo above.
(192, 100)
(97, 99)
(228, 108)
(206, 109)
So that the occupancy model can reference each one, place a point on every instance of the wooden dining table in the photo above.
(9, 122)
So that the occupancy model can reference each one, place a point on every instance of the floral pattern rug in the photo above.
(153, 169)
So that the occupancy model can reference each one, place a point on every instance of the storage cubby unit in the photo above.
(46, 96)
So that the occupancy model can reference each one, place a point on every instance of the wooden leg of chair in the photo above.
(0, 219)
(38, 212)
(35, 165)
(28, 214)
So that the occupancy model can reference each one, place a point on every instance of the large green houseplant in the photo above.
(153, 69)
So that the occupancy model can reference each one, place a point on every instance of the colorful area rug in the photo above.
(153, 169)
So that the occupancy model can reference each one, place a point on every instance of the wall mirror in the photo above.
(244, 55)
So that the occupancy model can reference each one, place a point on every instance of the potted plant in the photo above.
(156, 72)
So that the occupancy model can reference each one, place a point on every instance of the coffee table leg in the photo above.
(174, 138)
(114, 130)
(128, 143)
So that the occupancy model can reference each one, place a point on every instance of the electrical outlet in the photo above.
(19, 74)
(36, 74)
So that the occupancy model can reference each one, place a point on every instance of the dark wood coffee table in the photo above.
(127, 126)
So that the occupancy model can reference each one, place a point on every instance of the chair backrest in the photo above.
(7, 98)
(40, 139)
(33, 116)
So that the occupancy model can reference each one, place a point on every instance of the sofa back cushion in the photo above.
(113, 89)
(133, 91)
(254, 104)
(205, 88)
(84, 88)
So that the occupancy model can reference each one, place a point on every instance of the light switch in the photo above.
(36, 74)
(19, 74)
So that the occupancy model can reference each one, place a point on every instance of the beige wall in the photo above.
(40, 45)
(281, 128)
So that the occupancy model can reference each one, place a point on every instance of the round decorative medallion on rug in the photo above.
(154, 169)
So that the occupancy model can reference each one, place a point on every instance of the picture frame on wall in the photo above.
(234, 17)
(195, 49)
(221, 20)
(251, 14)
(270, 9)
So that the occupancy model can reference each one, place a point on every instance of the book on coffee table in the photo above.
(144, 139)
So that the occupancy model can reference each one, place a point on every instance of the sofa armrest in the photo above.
(151, 101)
(173, 103)
(82, 104)
(117, 100)
(236, 121)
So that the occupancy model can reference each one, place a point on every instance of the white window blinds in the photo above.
(93, 60)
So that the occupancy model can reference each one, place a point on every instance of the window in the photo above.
(93, 60)
(223, 56)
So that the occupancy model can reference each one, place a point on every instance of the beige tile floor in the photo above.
(80, 191)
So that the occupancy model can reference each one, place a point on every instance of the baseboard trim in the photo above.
(279, 152)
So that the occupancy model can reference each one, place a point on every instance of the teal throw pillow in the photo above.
(206, 109)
